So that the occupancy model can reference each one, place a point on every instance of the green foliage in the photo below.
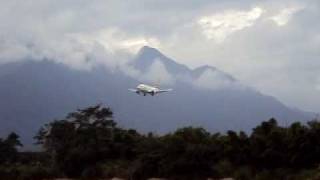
(87, 137)
(8, 148)
(26, 172)
(223, 168)
(88, 144)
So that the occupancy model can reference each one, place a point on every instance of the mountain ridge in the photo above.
(147, 56)
(36, 92)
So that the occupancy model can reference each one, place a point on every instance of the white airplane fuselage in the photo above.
(147, 89)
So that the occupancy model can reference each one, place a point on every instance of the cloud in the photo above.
(114, 39)
(283, 17)
(282, 62)
(157, 74)
(220, 26)
(11, 51)
(215, 80)
(77, 34)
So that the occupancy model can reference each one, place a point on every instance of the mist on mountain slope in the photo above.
(36, 92)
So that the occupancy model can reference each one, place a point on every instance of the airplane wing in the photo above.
(164, 90)
(133, 90)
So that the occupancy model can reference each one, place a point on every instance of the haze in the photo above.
(272, 46)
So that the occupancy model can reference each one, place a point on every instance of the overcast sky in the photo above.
(273, 46)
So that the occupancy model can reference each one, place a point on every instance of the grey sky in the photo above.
(270, 45)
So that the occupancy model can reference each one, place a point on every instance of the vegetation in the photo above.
(89, 144)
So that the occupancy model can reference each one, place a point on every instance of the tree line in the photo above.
(89, 144)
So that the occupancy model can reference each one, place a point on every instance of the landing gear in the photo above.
(144, 94)
(152, 93)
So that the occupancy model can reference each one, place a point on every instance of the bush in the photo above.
(243, 173)
(223, 169)
(26, 172)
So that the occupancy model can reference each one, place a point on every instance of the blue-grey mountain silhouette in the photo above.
(35, 92)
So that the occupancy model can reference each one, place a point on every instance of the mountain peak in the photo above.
(150, 52)
(148, 55)
(197, 72)
(148, 48)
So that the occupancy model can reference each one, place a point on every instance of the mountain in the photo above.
(147, 56)
(36, 92)
(196, 73)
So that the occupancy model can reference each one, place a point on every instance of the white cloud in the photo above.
(82, 33)
(135, 44)
(219, 26)
(215, 80)
(114, 39)
(157, 73)
(284, 16)
(317, 84)
(12, 51)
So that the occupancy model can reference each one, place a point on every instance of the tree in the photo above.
(236, 148)
(82, 140)
(187, 153)
(268, 145)
(8, 148)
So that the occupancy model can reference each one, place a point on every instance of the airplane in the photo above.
(145, 89)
